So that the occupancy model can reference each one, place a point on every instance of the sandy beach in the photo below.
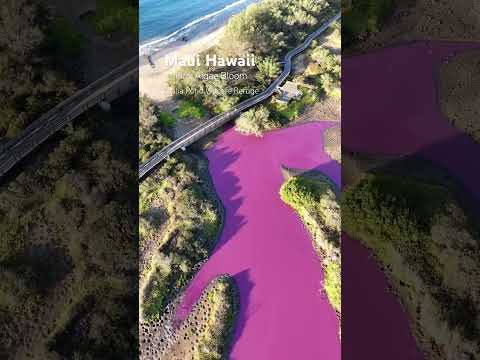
(153, 80)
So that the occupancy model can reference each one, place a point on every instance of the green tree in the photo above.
(255, 122)
(268, 69)
(272, 26)
(226, 103)
(152, 123)
(326, 59)
(28, 86)
(20, 33)
(146, 112)
(330, 85)
(326, 71)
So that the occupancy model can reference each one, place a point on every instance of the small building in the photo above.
(288, 92)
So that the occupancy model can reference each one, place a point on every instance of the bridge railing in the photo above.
(184, 141)
(205, 128)
(57, 117)
(89, 89)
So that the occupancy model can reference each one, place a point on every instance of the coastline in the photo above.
(239, 250)
(153, 81)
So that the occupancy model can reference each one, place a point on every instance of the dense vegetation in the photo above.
(192, 224)
(29, 86)
(320, 79)
(63, 39)
(152, 125)
(272, 27)
(364, 17)
(325, 71)
(255, 122)
(179, 216)
(68, 254)
(215, 341)
(267, 30)
(421, 235)
(314, 199)
(114, 16)
(189, 109)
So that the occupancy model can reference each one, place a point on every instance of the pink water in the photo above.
(264, 246)
(375, 326)
(283, 314)
(393, 109)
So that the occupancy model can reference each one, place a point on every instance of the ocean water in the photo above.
(166, 21)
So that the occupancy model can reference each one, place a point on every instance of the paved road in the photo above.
(219, 120)
(55, 119)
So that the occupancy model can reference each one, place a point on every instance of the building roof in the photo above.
(290, 89)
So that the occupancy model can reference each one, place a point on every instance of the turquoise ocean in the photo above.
(165, 21)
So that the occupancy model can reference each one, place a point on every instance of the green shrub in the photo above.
(365, 16)
(309, 97)
(292, 111)
(215, 341)
(188, 238)
(189, 109)
(165, 119)
(325, 71)
(268, 69)
(332, 284)
(226, 104)
(256, 122)
(391, 208)
(301, 192)
(317, 205)
(152, 123)
(397, 213)
(116, 16)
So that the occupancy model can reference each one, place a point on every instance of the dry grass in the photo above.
(428, 20)
(204, 334)
(459, 92)
(327, 109)
(434, 269)
(332, 143)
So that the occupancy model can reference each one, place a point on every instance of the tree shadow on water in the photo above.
(328, 172)
(245, 286)
(227, 186)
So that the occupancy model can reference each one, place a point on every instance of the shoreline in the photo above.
(153, 80)
(197, 27)
(433, 138)
(238, 250)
